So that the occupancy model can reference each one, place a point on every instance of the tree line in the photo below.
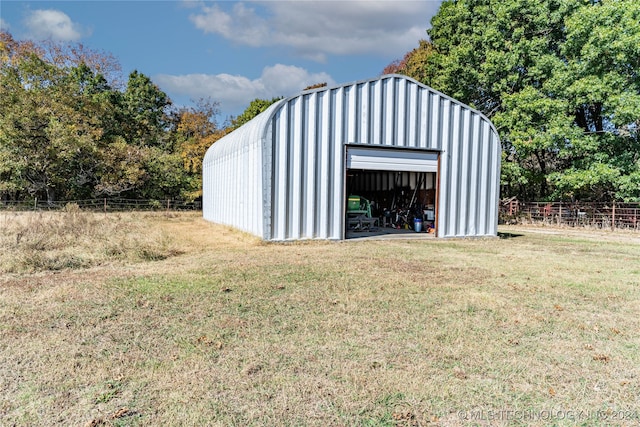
(71, 128)
(560, 79)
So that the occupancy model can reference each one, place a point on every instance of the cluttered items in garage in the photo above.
(390, 201)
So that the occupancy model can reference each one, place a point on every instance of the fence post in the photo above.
(105, 205)
(35, 204)
(560, 214)
(613, 216)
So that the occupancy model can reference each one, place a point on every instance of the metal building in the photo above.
(287, 174)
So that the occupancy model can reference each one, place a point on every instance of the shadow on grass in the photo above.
(508, 235)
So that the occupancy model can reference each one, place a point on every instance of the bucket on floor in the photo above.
(417, 225)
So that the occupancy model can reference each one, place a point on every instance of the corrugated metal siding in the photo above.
(233, 184)
(308, 168)
(302, 150)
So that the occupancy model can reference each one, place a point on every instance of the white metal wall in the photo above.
(233, 182)
(291, 160)
(469, 175)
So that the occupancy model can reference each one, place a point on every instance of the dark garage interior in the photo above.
(393, 200)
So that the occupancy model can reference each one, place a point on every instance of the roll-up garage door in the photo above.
(391, 160)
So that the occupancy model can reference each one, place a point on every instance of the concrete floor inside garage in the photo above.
(386, 233)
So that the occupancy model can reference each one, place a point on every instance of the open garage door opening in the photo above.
(390, 192)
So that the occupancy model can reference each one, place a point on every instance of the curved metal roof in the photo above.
(246, 134)
(257, 128)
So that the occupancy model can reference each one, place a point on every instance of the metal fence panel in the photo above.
(572, 214)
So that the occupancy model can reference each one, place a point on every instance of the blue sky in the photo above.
(232, 52)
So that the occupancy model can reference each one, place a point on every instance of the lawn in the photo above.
(165, 319)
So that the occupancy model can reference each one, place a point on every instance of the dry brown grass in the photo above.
(227, 330)
(75, 239)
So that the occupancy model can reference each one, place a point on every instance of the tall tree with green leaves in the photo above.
(600, 78)
(49, 129)
(497, 56)
(145, 112)
(558, 78)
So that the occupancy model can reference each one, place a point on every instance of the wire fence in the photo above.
(577, 214)
(104, 205)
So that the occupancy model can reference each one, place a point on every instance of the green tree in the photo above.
(165, 176)
(558, 78)
(66, 133)
(49, 130)
(145, 119)
(601, 84)
(255, 107)
(497, 56)
(121, 169)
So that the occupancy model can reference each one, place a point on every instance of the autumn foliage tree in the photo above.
(67, 133)
(196, 129)
(412, 64)
(71, 127)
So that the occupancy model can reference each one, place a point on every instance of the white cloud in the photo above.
(44, 24)
(314, 29)
(4, 25)
(243, 25)
(236, 92)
